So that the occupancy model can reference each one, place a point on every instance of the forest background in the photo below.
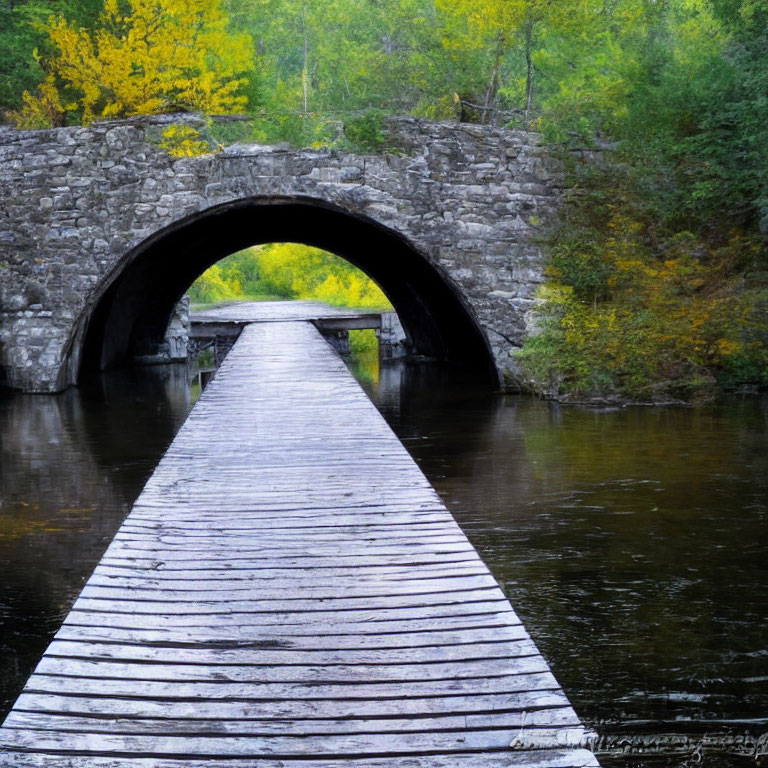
(657, 276)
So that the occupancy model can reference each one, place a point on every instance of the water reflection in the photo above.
(632, 542)
(71, 466)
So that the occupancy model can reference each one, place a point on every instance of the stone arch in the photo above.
(132, 309)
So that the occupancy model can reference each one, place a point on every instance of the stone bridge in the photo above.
(102, 232)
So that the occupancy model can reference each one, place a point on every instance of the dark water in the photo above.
(71, 466)
(632, 542)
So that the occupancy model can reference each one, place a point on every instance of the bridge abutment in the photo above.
(102, 232)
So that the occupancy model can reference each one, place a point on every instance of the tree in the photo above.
(499, 26)
(158, 55)
(22, 33)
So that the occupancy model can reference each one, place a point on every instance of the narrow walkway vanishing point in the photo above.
(289, 590)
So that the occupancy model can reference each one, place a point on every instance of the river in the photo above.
(632, 542)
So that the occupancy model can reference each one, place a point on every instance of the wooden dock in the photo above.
(289, 590)
(219, 327)
(229, 319)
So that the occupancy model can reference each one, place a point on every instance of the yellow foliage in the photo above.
(161, 55)
(667, 321)
(302, 272)
(213, 286)
(42, 110)
(289, 271)
(184, 141)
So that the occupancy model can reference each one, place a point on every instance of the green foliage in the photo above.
(364, 356)
(296, 129)
(657, 276)
(580, 262)
(287, 271)
(235, 277)
(24, 41)
(300, 272)
(646, 313)
(19, 69)
(363, 343)
(215, 285)
(326, 61)
(365, 132)
(684, 87)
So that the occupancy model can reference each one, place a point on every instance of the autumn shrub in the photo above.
(636, 311)
(132, 64)
(301, 272)
(184, 141)
(216, 284)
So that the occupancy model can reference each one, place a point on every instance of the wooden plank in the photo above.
(390, 579)
(369, 627)
(550, 758)
(152, 589)
(230, 745)
(542, 718)
(224, 709)
(155, 572)
(289, 589)
(326, 512)
(250, 541)
(126, 602)
(159, 671)
(202, 569)
(217, 654)
(435, 629)
(271, 692)
(349, 532)
(258, 636)
(391, 571)
(285, 519)
(313, 552)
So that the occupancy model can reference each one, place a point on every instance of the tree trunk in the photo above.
(305, 69)
(489, 102)
(529, 71)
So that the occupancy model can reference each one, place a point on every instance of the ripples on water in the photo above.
(632, 542)
(71, 466)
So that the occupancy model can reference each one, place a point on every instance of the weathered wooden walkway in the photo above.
(289, 590)
(220, 327)
(244, 312)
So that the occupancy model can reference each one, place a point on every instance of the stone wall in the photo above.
(393, 343)
(78, 201)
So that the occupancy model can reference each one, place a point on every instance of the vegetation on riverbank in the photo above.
(658, 276)
(637, 310)
(287, 271)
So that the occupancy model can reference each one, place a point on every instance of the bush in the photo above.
(366, 132)
(635, 311)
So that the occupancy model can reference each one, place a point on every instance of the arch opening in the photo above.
(130, 318)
